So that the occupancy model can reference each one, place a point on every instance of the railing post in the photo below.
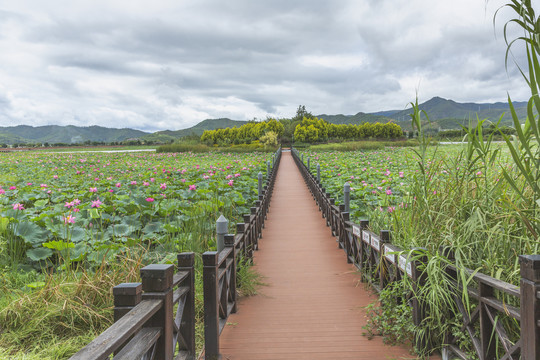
(318, 174)
(268, 169)
(344, 235)
(157, 281)
(418, 307)
(308, 161)
(260, 184)
(222, 228)
(530, 306)
(384, 236)
(229, 243)
(126, 297)
(186, 262)
(211, 305)
(347, 196)
(363, 226)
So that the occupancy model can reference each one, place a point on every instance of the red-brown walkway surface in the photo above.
(313, 304)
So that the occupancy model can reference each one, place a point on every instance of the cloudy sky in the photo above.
(168, 64)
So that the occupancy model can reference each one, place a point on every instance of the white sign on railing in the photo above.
(389, 257)
(365, 236)
(375, 242)
(356, 230)
(405, 265)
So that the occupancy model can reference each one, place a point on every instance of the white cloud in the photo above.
(171, 64)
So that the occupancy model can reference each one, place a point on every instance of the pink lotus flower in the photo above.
(228, 176)
(183, 180)
(401, 174)
(388, 192)
(43, 185)
(163, 186)
(133, 183)
(76, 202)
(192, 187)
(230, 183)
(93, 190)
(28, 184)
(206, 177)
(96, 203)
(76, 209)
(55, 177)
(150, 199)
(236, 175)
(18, 206)
(152, 180)
(2, 191)
(12, 188)
(69, 220)
(145, 183)
(69, 205)
(118, 185)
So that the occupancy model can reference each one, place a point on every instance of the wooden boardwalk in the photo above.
(313, 304)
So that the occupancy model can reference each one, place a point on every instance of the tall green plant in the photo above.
(526, 151)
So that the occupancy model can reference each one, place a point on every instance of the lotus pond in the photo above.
(87, 207)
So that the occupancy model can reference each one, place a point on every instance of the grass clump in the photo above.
(248, 279)
(55, 315)
(362, 145)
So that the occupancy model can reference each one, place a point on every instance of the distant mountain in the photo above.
(208, 124)
(354, 119)
(449, 114)
(64, 134)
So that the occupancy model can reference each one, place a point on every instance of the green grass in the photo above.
(362, 145)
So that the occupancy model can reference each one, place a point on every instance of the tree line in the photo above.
(304, 127)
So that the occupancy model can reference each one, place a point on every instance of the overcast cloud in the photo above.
(169, 64)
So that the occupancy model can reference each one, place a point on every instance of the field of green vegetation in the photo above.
(72, 225)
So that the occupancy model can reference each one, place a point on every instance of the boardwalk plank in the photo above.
(313, 306)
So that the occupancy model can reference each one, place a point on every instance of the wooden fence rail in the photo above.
(497, 305)
(219, 272)
(145, 325)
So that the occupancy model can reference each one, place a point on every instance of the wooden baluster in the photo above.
(211, 305)
(186, 262)
(384, 268)
(229, 243)
(157, 280)
(530, 306)
(126, 297)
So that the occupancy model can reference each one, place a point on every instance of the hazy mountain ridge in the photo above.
(443, 113)
(448, 114)
(65, 134)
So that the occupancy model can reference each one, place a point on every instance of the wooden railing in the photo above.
(219, 272)
(380, 263)
(145, 324)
